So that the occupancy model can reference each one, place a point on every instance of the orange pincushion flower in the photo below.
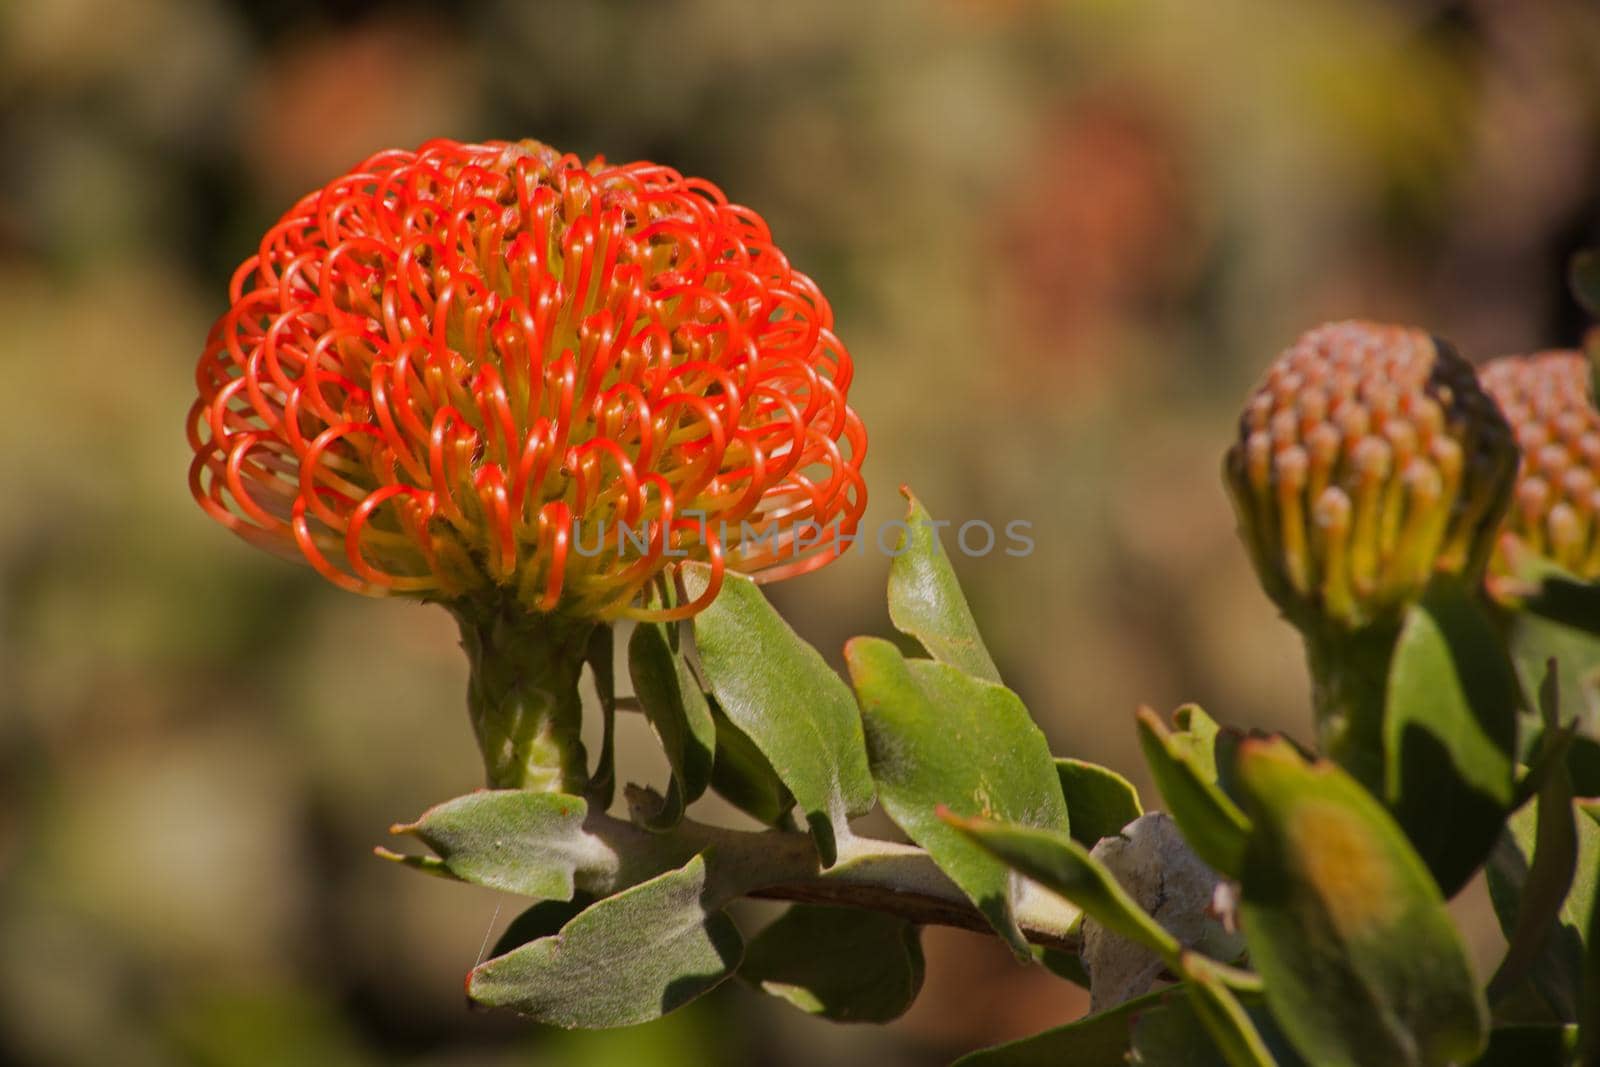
(1548, 399)
(491, 365)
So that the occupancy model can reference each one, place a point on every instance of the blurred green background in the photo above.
(1061, 240)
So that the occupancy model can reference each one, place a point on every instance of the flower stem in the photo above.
(523, 694)
(1350, 677)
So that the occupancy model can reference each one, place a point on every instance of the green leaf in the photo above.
(1529, 1046)
(1347, 928)
(778, 691)
(1450, 726)
(742, 776)
(1063, 866)
(1225, 1019)
(926, 602)
(627, 959)
(1102, 1040)
(844, 964)
(543, 919)
(1099, 800)
(1558, 968)
(1559, 621)
(602, 667)
(671, 698)
(1589, 1034)
(1062, 964)
(1541, 886)
(532, 844)
(1184, 767)
(937, 736)
(1178, 1032)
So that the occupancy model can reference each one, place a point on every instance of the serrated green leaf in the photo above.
(742, 776)
(626, 959)
(670, 695)
(1344, 923)
(781, 695)
(844, 964)
(1099, 800)
(1449, 732)
(1179, 762)
(926, 602)
(520, 841)
(1102, 1040)
(1063, 866)
(937, 736)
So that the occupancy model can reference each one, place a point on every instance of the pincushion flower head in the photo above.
(1368, 460)
(497, 377)
(1555, 511)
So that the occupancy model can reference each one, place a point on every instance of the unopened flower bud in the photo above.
(1368, 460)
(1549, 400)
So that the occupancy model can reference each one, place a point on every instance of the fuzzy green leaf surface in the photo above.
(743, 777)
(516, 840)
(936, 737)
(624, 960)
(781, 694)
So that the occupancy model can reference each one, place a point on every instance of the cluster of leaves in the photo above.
(1349, 956)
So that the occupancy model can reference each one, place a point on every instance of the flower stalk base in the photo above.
(523, 696)
(1349, 678)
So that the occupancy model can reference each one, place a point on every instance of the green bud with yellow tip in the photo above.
(1369, 462)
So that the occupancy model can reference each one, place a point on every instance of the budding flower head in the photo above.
(1368, 459)
(1555, 509)
(481, 367)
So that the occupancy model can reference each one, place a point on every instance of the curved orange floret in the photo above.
(491, 365)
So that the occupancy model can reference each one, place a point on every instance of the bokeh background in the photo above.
(1061, 240)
